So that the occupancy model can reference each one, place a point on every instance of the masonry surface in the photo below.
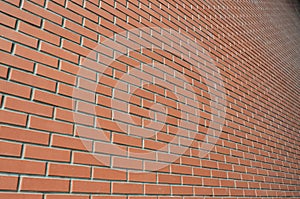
(149, 99)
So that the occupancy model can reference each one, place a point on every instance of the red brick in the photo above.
(78, 71)
(142, 154)
(90, 159)
(44, 184)
(94, 87)
(47, 153)
(66, 196)
(127, 140)
(219, 174)
(234, 175)
(16, 62)
(109, 174)
(211, 182)
(10, 149)
(209, 164)
(99, 29)
(109, 25)
(23, 135)
(22, 166)
(18, 37)
(28, 107)
(3, 71)
(128, 163)
(142, 177)
(5, 45)
(9, 117)
(20, 14)
(42, 12)
(7, 20)
(169, 179)
(157, 166)
(38, 2)
(68, 170)
(182, 190)
(81, 186)
(154, 145)
(127, 188)
(157, 189)
(96, 135)
(50, 125)
(125, 117)
(80, 30)
(188, 160)
(142, 197)
(15, 3)
(38, 33)
(8, 183)
(110, 125)
(70, 116)
(105, 101)
(58, 52)
(64, 33)
(109, 197)
(99, 11)
(138, 111)
(204, 191)
(71, 142)
(110, 9)
(55, 74)
(181, 169)
(52, 99)
(36, 56)
(76, 93)
(191, 180)
(15, 89)
(109, 81)
(73, 47)
(82, 11)
(32, 80)
(5, 195)
(60, 2)
(64, 12)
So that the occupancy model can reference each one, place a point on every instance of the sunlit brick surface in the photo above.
(149, 99)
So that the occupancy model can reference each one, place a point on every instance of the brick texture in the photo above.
(97, 101)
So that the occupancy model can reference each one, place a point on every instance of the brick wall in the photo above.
(149, 99)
